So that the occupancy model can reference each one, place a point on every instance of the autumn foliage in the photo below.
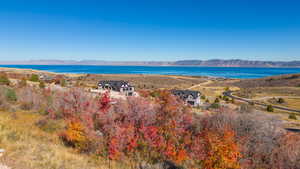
(159, 127)
(220, 151)
(74, 134)
(151, 128)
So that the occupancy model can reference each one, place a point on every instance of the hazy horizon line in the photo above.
(80, 60)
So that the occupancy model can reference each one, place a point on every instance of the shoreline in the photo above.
(23, 70)
(207, 66)
(235, 73)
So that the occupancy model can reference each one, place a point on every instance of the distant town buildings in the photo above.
(189, 96)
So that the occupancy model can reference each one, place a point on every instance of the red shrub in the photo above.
(156, 129)
(105, 102)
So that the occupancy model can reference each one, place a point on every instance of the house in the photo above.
(117, 85)
(46, 78)
(189, 96)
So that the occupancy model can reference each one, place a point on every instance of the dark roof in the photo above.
(115, 84)
(184, 94)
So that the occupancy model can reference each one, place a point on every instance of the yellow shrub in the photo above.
(74, 135)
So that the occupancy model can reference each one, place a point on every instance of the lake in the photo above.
(228, 72)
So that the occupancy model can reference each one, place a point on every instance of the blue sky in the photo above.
(147, 30)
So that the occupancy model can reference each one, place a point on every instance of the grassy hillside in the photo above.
(292, 80)
(91, 80)
(147, 81)
(28, 146)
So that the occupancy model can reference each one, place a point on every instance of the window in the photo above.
(191, 102)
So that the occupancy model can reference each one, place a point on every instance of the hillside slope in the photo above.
(29, 147)
(291, 80)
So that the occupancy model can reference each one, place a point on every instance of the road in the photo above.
(200, 84)
(295, 130)
(270, 97)
(229, 94)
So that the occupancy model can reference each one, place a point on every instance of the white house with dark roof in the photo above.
(46, 78)
(117, 85)
(189, 96)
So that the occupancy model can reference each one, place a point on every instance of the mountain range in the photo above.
(208, 63)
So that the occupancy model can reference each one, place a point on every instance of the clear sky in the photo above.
(147, 30)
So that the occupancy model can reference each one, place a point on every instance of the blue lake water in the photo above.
(228, 72)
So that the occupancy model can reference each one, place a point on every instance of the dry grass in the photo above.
(293, 103)
(283, 115)
(212, 92)
(277, 91)
(146, 81)
(290, 80)
(262, 92)
(27, 146)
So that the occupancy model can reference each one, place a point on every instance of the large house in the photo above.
(46, 78)
(189, 96)
(117, 85)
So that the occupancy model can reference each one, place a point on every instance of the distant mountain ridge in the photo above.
(208, 63)
(238, 63)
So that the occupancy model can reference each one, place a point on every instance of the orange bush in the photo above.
(221, 151)
(74, 135)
